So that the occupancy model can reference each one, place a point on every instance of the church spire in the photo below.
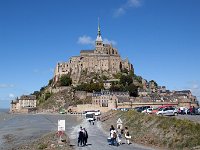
(99, 32)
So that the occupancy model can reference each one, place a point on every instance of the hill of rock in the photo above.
(63, 99)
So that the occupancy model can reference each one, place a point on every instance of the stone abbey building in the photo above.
(104, 58)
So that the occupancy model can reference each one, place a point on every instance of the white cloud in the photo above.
(11, 95)
(125, 7)
(106, 41)
(119, 12)
(133, 3)
(87, 40)
(6, 85)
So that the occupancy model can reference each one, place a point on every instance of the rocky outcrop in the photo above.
(65, 98)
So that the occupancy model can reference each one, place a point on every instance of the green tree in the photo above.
(47, 95)
(50, 82)
(42, 88)
(104, 77)
(154, 82)
(89, 87)
(125, 71)
(118, 75)
(37, 94)
(126, 80)
(133, 90)
(138, 78)
(65, 80)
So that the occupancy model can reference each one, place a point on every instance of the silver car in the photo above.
(167, 111)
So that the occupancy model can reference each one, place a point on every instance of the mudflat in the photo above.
(20, 129)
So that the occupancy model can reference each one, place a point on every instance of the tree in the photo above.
(37, 94)
(65, 80)
(50, 82)
(47, 95)
(126, 80)
(133, 90)
(125, 71)
(138, 78)
(104, 77)
(118, 75)
(89, 87)
(154, 82)
(42, 88)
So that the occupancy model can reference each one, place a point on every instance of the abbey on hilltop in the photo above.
(103, 59)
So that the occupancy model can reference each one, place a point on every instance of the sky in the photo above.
(161, 38)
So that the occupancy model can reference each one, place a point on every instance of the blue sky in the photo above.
(160, 38)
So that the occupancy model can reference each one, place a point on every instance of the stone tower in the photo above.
(99, 41)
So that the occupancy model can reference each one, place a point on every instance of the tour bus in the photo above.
(96, 112)
(90, 116)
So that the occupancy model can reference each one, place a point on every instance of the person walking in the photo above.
(119, 135)
(85, 136)
(93, 122)
(127, 135)
(113, 135)
(193, 110)
(80, 137)
(112, 128)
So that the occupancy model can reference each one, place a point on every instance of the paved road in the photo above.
(98, 139)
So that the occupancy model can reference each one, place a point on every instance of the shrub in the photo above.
(65, 80)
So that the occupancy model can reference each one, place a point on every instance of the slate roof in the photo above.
(28, 97)
(184, 91)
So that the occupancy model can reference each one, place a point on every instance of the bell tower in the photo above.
(99, 41)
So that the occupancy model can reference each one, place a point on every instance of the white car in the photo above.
(148, 110)
(167, 111)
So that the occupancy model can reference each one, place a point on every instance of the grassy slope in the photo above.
(165, 132)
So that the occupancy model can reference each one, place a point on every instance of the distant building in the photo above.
(25, 103)
(104, 58)
(143, 92)
(108, 83)
(109, 99)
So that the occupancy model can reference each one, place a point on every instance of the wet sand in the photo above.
(16, 130)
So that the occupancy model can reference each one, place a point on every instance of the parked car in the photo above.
(155, 110)
(136, 108)
(167, 111)
(140, 109)
(148, 110)
(197, 111)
